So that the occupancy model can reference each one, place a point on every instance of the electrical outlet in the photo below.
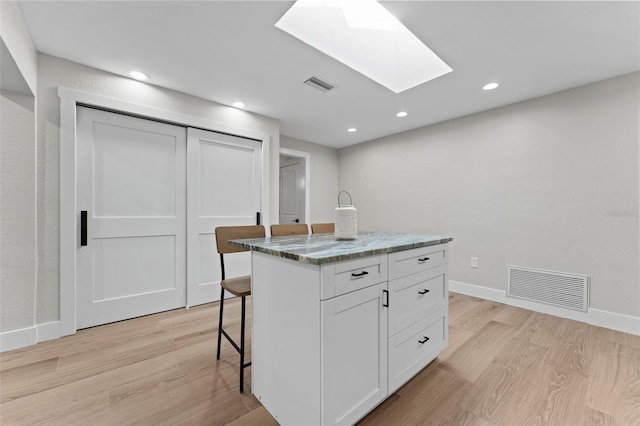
(474, 262)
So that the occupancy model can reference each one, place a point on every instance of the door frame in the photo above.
(305, 158)
(69, 223)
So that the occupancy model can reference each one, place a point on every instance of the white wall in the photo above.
(548, 183)
(324, 178)
(16, 38)
(18, 248)
(54, 72)
(17, 211)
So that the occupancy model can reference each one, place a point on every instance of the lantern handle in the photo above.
(350, 200)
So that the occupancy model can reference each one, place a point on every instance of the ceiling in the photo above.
(226, 51)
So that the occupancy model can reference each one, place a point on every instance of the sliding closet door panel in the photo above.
(223, 183)
(232, 165)
(132, 184)
(134, 172)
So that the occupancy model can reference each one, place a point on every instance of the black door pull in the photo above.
(296, 220)
(424, 259)
(361, 274)
(423, 341)
(83, 227)
(257, 218)
(425, 291)
(386, 303)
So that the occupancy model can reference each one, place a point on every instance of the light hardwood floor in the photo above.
(503, 366)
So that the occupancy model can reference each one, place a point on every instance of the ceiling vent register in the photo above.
(316, 83)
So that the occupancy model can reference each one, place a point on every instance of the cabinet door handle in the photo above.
(424, 340)
(83, 227)
(386, 293)
(424, 259)
(360, 275)
(425, 291)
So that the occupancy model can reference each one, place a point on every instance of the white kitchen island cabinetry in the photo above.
(328, 342)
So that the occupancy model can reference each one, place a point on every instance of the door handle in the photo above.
(424, 259)
(83, 227)
(423, 341)
(386, 293)
(296, 220)
(425, 291)
(360, 275)
(257, 218)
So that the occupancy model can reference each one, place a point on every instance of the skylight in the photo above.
(363, 35)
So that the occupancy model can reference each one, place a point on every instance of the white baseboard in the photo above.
(624, 323)
(478, 291)
(612, 320)
(15, 339)
(48, 331)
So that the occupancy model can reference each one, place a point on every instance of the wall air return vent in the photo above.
(569, 291)
(316, 83)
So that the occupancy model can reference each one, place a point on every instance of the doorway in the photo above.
(150, 195)
(294, 186)
(70, 217)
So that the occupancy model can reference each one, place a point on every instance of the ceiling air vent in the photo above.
(316, 83)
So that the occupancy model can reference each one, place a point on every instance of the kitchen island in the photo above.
(338, 326)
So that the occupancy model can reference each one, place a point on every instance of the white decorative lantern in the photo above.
(346, 220)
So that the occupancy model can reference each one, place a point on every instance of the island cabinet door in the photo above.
(354, 355)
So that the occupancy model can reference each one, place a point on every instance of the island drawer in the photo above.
(351, 275)
(415, 297)
(407, 262)
(412, 349)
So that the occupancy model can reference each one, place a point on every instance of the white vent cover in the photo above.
(316, 83)
(569, 291)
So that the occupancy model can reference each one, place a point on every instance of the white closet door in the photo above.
(132, 184)
(223, 183)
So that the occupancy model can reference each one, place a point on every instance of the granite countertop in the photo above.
(317, 249)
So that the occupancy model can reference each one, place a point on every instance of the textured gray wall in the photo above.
(17, 211)
(549, 183)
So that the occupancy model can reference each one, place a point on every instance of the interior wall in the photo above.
(16, 37)
(18, 250)
(550, 183)
(54, 72)
(17, 211)
(324, 178)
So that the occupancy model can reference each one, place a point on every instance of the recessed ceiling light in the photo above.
(363, 35)
(351, 129)
(238, 104)
(138, 75)
(490, 86)
(401, 114)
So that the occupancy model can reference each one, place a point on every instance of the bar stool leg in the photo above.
(242, 344)
(220, 321)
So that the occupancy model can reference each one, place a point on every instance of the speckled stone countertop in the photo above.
(324, 248)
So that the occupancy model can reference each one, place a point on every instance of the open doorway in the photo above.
(294, 186)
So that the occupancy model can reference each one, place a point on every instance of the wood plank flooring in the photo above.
(504, 366)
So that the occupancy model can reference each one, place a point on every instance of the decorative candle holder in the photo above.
(346, 220)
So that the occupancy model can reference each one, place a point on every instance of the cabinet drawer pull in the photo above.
(425, 291)
(386, 293)
(424, 259)
(361, 274)
(424, 340)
